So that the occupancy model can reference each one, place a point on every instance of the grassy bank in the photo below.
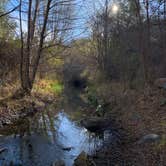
(11, 109)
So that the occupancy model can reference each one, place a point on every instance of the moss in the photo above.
(76, 115)
(48, 86)
(57, 87)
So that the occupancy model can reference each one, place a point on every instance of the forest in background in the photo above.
(116, 50)
(127, 45)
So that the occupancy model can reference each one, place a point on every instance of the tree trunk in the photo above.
(27, 78)
(22, 45)
(148, 46)
(105, 36)
(141, 40)
(42, 37)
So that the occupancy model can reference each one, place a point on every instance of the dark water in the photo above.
(46, 138)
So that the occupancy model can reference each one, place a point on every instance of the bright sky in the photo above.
(84, 9)
(88, 8)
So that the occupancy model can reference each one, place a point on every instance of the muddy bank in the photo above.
(111, 154)
(12, 110)
(49, 133)
(141, 118)
(137, 125)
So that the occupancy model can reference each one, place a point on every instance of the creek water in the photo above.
(48, 137)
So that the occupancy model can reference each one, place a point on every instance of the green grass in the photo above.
(48, 86)
(57, 87)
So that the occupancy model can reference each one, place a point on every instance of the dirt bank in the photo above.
(12, 110)
(142, 118)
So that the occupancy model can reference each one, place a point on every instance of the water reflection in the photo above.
(45, 138)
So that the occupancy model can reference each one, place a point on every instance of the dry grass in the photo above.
(45, 91)
(140, 113)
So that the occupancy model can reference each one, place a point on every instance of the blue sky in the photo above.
(80, 13)
(84, 9)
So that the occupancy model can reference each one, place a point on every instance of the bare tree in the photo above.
(45, 21)
(9, 12)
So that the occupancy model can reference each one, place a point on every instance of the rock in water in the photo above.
(96, 124)
(160, 83)
(67, 148)
(59, 163)
(2, 149)
(81, 160)
(150, 138)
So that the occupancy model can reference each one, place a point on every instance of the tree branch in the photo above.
(12, 10)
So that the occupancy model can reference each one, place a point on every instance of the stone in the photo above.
(150, 138)
(58, 163)
(67, 148)
(2, 149)
(160, 83)
(96, 123)
(39, 104)
(48, 99)
(81, 160)
(6, 122)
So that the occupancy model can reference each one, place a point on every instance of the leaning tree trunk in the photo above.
(40, 49)
(39, 16)
(27, 77)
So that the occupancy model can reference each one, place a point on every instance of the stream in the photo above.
(48, 137)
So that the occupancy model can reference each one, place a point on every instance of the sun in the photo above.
(115, 9)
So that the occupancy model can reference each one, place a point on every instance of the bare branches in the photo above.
(48, 23)
(9, 12)
(39, 52)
